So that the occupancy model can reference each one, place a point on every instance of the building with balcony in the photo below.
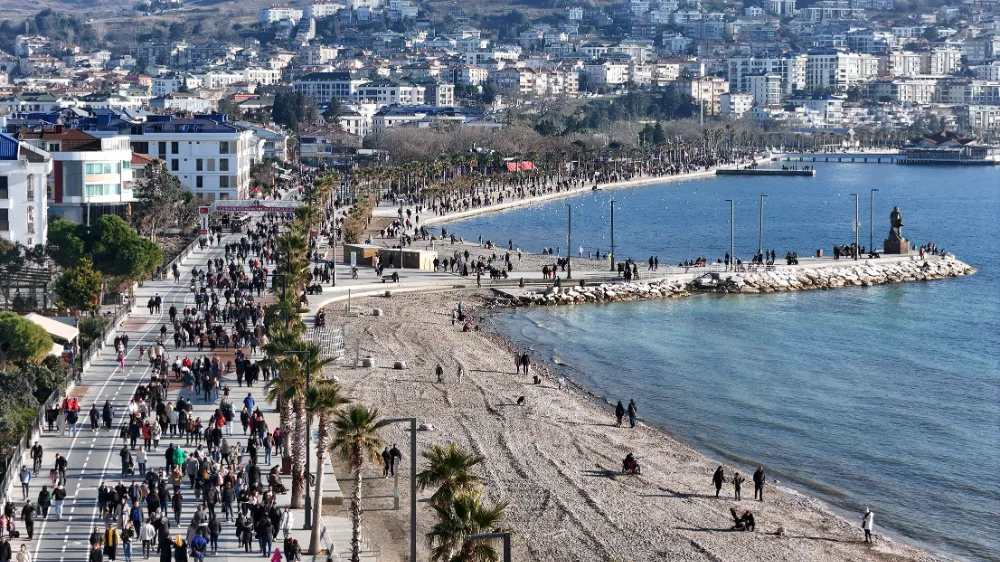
(23, 206)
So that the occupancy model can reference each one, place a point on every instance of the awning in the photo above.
(518, 166)
(55, 328)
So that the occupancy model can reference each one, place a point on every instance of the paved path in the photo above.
(93, 456)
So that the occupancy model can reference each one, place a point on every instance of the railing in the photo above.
(17, 456)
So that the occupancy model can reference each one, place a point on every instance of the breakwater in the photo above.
(783, 278)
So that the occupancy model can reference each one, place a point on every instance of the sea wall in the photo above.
(794, 278)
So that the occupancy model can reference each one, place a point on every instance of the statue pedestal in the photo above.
(896, 246)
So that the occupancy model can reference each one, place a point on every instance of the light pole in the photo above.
(732, 233)
(569, 240)
(307, 524)
(612, 235)
(871, 223)
(413, 483)
(760, 244)
(505, 535)
(857, 228)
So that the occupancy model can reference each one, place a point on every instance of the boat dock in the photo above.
(763, 172)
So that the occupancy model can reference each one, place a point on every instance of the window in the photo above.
(3, 188)
(140, 147)
(31, 188)
(31, 220)
(224, 164)
(98, 189)
(4, 220)
(224, 181)
(162, 149)
(53, 147)
(224, 147)
(175, 165)
(198, 164)
(211, 164)
(199, 181)
(126, 165)
(175, 147)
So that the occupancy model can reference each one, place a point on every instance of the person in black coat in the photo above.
(95, 554)
(166, 549)
(180, 550)
(28, 515)
(5, 551)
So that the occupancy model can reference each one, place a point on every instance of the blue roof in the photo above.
(8, 147)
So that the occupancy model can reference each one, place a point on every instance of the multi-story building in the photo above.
(324, 86)
(90, 177)
(838, 70)
(316, 54)
(826, 10)
(471, 75)
(319, 10)
(735, 104)
(821, 110)
(944, 60)
(391, 93)
(356, 118)
(704, 90)
(978, 117)
(780, 7)
(211, 158)
(173, 82)
(764, 88)
(791, 68)
(23, 205)
(902, 63)
(277, 13)
(606, 73)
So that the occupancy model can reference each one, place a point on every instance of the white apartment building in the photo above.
(821, 110)
(979, 117)
(277, 13)
(735, 104)
(987, 71)
(471, 75)
(316, 54)
(903, 63)
(780, 7)
(356, 118)
(324, 86)
(944, 60)
(321, 10)
(211, 159)
(90, 176)
(791, 68)
(389, 93)
(606, 73)
(174, 82)
(839, 70)
(23, 205)
(764, 88)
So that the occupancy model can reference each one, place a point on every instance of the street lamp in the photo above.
(307, 524)
(760, 244)
(857, 228)
(871, 222)
(612, 235)
(569, 240)
(732, 233)
(413, 483)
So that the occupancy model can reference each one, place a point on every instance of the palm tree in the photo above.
(450, 469)
(464, 516)
(357, 439)
(324, 400)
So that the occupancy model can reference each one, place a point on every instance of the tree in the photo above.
(333, 111)
(161, 200)
(228, 106)
(464, 516)
(80, 286)
(324, 400)
(357, 439)
(65, 242)
(118, 251)
(21, 340)
(449, 469)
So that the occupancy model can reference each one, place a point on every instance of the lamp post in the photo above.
(612, 235)
(413, 483)
(760, 244)
(857, 228)
(871, 222)
(307, 524)
(281, 308)
(732, 233)
(505, 535)
(569, 240)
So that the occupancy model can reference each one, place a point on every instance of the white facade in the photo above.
(764, 88)
(791, 69)
(278, 13)
(607, 73)
(838, 70)
(321, 10)
(170, 83)
(735, 104)
(23, 205)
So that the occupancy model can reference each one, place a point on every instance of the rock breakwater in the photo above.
(790, 278)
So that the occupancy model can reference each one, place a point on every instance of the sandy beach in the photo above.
(556, 459)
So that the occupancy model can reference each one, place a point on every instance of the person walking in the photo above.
(25, 477)
(23, 554)
(386, 461)
(147, 534)
(394, 455)
(110, 540)
(58, 496)
(758, 483)
(287, 522)
(95, 553)
(5, 551)
(619, 413)
(44, 502)
(265, 535)
(631, 413)
(737, 485)
(28, 516)
(718, 479)
(868, 524)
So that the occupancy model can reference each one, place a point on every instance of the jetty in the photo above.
(763, 172)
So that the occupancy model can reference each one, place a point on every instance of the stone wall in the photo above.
(860, 274)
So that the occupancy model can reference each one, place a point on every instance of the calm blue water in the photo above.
(887, 397)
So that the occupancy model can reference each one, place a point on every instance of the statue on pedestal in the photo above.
(896, 244)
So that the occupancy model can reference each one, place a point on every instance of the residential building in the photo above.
(90, 176)
(790, 67)
(186, 103)
(839, 70)
(471, 75)
(278, 13)
(23, 205)
(704, 90)
(324, 86)
(764, 88)
(735, 104)
(780, 7)
(210, 156)
(978, 117)
(319, 10)
(174, 82)
(275, 141)
(821, 110)
(606, 73)
(392, 93)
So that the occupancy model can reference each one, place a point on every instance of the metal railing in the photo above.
(17, 456)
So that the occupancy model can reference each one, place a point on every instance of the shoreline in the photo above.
(483, 405)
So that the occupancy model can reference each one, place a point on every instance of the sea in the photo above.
(884, 397)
